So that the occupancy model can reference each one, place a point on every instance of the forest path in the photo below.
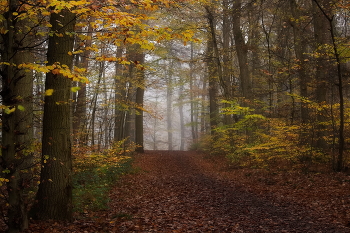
(183, 192)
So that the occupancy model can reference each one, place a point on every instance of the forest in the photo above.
(88, 84)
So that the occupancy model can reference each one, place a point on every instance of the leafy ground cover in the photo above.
(189, 192)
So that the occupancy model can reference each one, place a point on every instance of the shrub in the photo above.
(94, 175)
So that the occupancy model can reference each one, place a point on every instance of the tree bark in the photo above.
(181, 115)
(300, 47)
(213, 83)
(169, 109)
(79, 116)
(323, 68)
(17, 132)
(241, 50)
(140, 91)
(119, 98)
(54, 197)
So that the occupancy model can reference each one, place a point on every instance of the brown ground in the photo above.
(185, 192)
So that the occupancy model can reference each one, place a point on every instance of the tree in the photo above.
(54, 197)
(325, 11)
(17, 117)
(140, 75)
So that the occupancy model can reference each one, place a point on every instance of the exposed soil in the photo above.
(185, 192)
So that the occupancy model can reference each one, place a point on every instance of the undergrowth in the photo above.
(95, 174)
(253, 141)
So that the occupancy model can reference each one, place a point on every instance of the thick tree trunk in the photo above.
(119, 98)
(241, 50)
(17, 118)
(54, 197)
(213, 86)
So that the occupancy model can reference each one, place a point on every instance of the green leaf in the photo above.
(75, 89)
(6, 171)
(20, 107)
(9, 110)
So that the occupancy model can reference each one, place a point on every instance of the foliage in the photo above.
(30, 179)
(95, 173)
(256, 141)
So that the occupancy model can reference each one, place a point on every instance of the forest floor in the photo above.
(190, 192)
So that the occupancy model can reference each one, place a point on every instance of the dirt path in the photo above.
(183, 192)
(180, 192)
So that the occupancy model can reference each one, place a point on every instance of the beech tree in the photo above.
(54, 197)
(17, 116)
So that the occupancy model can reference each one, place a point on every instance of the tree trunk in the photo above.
(213, 83)
(169, 109)
(79, 115)
(327, 14)
(300, 46)
(241, 50)
(17, 118)
(181, 115)
(226, 60)
(140, 90)
(119, 98)
(323, 68)
(94, 102)
(54, 197)
(194, 110)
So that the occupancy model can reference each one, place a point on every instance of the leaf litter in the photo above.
(186, 192)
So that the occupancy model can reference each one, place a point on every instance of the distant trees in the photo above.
(284, 61)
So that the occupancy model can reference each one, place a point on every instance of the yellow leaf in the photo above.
(9, 110)
(75, 89)
(48, 92)
(46, 13)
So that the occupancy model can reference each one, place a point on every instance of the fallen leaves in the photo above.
(183, 192)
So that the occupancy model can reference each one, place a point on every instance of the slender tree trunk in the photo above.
(94, 102)
(340, 83)
(226, 60)
(155, 125)
(300, 46)
(204, 106)
(140, 91)
(169, 109)
(181, 115)
(54, 197)
(194, 111)
(79, 115)
(322, 37)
